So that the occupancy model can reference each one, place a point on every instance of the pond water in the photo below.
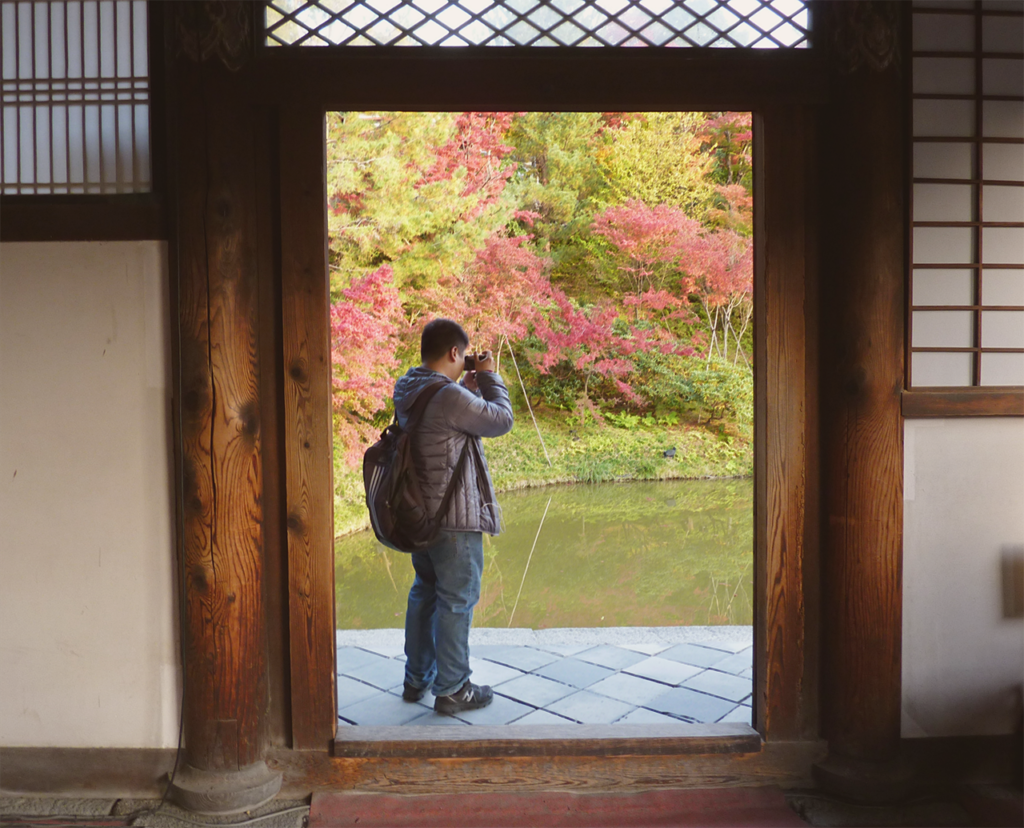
(669, 553)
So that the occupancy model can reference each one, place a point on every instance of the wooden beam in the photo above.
(973, 402)
(492, 79)
(307, 427)
(781, 435)
(862, 301)
(82, 218)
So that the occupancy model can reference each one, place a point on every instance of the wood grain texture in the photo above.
(781, 424)
(785, 764)
(862, 301)
(540, 79)
(545, 740)
(223, 628)
(82, 218)
(307, 427)
(973, 402)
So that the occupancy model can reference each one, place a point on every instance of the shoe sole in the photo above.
(461, 708)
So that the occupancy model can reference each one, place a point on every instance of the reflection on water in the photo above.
(672, 553)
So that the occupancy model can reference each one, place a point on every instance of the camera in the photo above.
(470, 362)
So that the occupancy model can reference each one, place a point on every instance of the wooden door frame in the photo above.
(300, 86)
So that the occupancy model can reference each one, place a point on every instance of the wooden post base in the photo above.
(224, 792)
(862, 780)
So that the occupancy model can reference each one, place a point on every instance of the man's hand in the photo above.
(485, 361)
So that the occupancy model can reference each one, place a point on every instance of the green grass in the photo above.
(592, 455)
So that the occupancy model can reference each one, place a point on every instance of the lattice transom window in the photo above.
(75, 97)
(967, 274)
(758, 24)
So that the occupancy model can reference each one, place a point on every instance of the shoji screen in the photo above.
(75, 97)
(967, 241)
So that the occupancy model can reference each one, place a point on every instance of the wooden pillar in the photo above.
(861, 179)
(214, 256)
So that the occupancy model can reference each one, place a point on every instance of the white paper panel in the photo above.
(943, 245)
(943, 33)
(1002, 119)
(1003, 162)
(1002, 287)
(1002, 369)
(1002, 77)
(1002, 203)
(953, 119)
(1002, 245)
(943, 329)
(944, 160)
(1002, 329)
(943, 287)
(1002, 34)
(952, 76)
(943, 202)
(937, 370)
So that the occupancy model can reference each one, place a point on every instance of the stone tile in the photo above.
(649, 648)
(695, 655)
(498, 712)
(385, 673)
(433, 719)
(725, 644)
(663, 669)
(572, 671)
(386, 650)
(608, 656)
(748, 673)
(382, 709)
(351, 658)
(739, 714)
(490, 672)
(535, 690)
(589, 708)
(543, 717)
(722, 685)
(684, 703)
(633, 690)
(351, 691)
(522, 658)
(644, 716)
(565, 650)
(736, 664)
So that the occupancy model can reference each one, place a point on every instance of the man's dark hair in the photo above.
(439, 337)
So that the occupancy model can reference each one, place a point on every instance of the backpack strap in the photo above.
(418, 407)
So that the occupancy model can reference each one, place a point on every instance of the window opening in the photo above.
(967, 246)
(607, 259)
(757, 24)
(75, 97)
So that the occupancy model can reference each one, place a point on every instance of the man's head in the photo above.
(439, 338)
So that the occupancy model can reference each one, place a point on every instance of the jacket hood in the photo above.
(411, 383)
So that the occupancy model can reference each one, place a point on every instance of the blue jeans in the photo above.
(440, 611)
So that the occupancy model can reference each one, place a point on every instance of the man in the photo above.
(447, 584)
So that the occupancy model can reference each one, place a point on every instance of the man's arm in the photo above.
(489, 415)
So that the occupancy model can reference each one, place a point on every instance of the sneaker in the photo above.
(413, 694)
(469, 697)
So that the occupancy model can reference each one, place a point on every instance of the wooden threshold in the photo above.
(545, 740)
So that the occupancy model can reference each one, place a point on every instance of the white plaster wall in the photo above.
(963, 661)
(87, 594)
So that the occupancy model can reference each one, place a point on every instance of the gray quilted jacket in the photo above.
(452, 417)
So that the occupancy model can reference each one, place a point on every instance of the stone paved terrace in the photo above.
(639, 675)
